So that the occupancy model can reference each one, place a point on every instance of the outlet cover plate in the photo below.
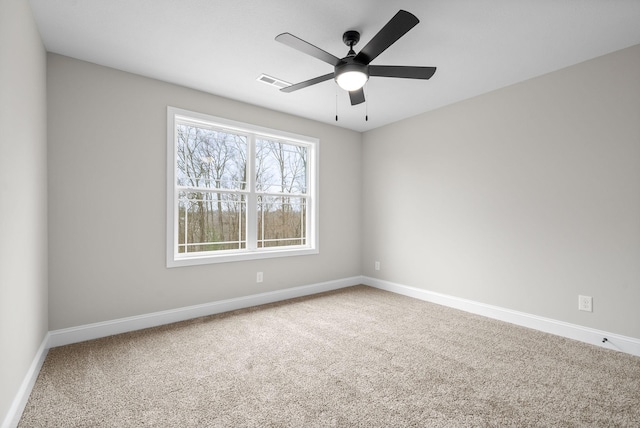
(585, 303)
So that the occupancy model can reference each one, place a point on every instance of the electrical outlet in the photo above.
(585, 303)
(377, 265)
(259, 277)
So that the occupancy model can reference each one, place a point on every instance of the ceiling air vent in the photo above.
(272, 81)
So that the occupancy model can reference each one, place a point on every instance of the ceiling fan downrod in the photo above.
(351, 38)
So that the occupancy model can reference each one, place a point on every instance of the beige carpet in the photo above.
(357, 357)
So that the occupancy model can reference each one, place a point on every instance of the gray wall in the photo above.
(23, 197)
(521, 198)
(107, 187)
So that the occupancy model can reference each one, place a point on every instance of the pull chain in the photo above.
(366, 106)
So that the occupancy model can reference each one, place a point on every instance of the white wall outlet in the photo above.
(259, 277)
(585, 303)
(377, 265)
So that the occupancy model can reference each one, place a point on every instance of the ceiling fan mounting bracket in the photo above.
(351, 38)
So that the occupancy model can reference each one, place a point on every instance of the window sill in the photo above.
(228, 257)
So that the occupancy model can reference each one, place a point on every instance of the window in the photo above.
(237, 191)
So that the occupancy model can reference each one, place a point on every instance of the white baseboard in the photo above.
(12, 417)
(614, 341)
(592, 336)
(123, 325)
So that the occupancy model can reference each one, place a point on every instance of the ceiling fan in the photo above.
(353, 71)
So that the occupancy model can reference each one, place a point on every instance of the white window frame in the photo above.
(175, 259)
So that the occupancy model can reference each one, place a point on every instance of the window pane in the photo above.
(209, 158)
(280, 167)
(211, 221)
(281, 221)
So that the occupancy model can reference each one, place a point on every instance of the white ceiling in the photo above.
(221, 47)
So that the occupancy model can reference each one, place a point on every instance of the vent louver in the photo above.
(272, 81)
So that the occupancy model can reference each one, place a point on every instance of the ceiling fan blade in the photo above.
(407, 72)
(307, 83)
(357, 96)
(306, 47)
(397, 27)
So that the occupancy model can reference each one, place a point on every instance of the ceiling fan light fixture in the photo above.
(351, 80)
(351, 75)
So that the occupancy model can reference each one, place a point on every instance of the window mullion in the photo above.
(252, 200)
